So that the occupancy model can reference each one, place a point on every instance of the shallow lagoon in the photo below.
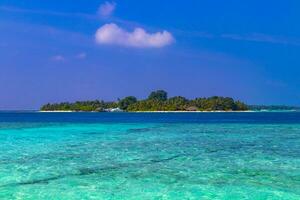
(149, 155)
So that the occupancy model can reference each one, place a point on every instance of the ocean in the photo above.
(150, 156)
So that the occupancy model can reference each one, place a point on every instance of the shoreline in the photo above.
(162, 111)
(215, 111)
(179, 111)
(55, 111)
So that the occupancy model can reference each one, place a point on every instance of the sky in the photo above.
(54, 51)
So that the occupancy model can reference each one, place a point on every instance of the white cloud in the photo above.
(58, 58)
(114, 35)
(81, 55)
(107, 9)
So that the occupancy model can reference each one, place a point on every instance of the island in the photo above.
(157, 101)
(275, 108)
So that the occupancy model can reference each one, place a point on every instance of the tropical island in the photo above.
(156, 101)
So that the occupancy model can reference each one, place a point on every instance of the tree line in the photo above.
(156, 101)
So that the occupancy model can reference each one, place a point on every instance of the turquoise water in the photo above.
(150, 156)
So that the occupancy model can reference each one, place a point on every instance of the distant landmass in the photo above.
(159, 101)
(156, 101)
(273, 108)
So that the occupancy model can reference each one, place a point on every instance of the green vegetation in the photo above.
(158, 95)
(86, 106)
(157, 101)
(127, 101)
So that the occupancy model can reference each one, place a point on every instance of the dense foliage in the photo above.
(157, 101)
(159, 95)
(127, 101)
(87, 106)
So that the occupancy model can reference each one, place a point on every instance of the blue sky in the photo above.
(54, 51)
